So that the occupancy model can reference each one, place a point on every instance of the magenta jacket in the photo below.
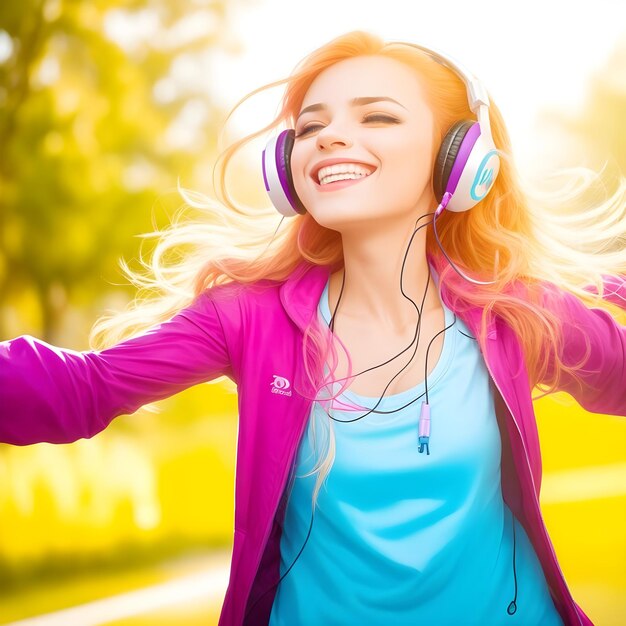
(253, 335)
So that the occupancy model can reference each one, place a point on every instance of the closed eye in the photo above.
(375, 117)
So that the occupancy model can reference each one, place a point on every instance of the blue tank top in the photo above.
(401, 537)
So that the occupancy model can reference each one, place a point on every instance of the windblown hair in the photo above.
(516, 234)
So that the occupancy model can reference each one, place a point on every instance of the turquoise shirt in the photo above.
(401, 537)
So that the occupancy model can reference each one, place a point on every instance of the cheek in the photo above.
(410, 162)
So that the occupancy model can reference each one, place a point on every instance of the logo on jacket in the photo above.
(281, 385)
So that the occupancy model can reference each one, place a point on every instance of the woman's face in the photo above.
(369, 111)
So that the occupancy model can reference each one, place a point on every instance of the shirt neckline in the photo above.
(397, 400)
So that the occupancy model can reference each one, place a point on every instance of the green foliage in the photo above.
(90, 128)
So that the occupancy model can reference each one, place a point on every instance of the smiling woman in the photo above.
(395, 169)
(392, 137)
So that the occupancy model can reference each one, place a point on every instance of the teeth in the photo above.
(334, 177)
(342, 168)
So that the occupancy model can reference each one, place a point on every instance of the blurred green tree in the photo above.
(99, 115)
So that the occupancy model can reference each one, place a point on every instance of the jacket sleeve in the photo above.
(57, 395)
(600, 386)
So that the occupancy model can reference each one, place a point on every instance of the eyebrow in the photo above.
(355, 102)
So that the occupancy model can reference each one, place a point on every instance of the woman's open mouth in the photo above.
(340, 184)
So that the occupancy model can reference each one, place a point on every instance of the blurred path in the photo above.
(206, 585)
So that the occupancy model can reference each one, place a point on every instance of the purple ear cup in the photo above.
(447, 158)
(466, 166)
(276, 161)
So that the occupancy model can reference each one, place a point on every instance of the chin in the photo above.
(331, 216)
(346, 220)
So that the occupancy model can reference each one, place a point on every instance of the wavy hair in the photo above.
(516, 234)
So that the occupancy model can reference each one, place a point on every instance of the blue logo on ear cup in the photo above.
(487, 177)
(484, 178)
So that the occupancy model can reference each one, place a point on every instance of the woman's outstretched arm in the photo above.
(602, 386)
(57, 395)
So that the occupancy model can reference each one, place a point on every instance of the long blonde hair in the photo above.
(535, 236)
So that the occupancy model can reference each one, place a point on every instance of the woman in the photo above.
(372, 301)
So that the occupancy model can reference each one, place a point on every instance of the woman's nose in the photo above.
(330, 138)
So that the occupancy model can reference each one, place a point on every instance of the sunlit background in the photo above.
(104, 105)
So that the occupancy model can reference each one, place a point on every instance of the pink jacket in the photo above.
(253, 335)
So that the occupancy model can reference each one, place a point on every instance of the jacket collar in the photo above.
(301, 292)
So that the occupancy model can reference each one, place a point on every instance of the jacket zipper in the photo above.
(571, 598)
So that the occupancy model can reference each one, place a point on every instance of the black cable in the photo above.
(468, 336)
(416, 336)
(512, 608)
(331, 326)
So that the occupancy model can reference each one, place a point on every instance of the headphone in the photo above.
(466, 166)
